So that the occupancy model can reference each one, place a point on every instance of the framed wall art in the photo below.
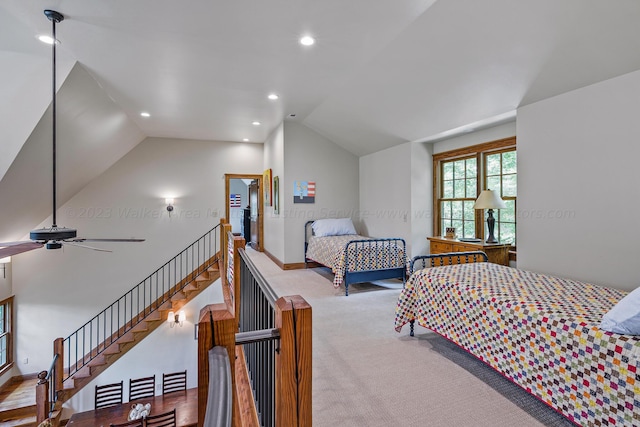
(276, 195)
(266, 185)
(304, 192)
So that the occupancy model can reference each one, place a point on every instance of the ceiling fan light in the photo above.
(47, 39)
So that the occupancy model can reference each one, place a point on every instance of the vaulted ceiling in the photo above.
(381, 73)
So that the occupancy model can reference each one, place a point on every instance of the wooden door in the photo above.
(253, 205)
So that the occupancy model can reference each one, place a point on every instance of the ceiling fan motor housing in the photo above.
(53, 233)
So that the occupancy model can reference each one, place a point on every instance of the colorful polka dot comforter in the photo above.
(539, 331)
(373, 254)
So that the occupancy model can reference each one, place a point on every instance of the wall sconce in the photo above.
(3, 263)
(169, 203)
(174, 318)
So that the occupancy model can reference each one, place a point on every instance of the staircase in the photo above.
(100, 342)
(135, 331)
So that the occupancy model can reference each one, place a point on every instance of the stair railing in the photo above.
(95, 336)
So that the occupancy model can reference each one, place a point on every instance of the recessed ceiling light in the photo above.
(245, 139)
(307, 40)
(256, 123)
(46, 39)
(145, 114)
(273, 96)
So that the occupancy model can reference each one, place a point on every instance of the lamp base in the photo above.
(491, 223)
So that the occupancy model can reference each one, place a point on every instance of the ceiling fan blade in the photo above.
(5, 244)
(15, 248)
(85, 246)
(104, 240)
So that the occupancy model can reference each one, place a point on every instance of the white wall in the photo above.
(57, 291)
(385, 193)
(274, 241)
(308, 156)
(5, 281)
(578, 184)
(421, 197)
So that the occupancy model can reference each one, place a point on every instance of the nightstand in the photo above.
(498, 253)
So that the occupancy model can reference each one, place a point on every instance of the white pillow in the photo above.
(624, 317)
(333, 227)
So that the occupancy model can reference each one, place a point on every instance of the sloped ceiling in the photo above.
(93, 133)
(381, 73)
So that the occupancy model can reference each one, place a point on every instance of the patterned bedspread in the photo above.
(331, 252)
(539, 331)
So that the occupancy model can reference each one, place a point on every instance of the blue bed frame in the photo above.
(361, 245)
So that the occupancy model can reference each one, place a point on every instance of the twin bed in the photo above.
(539, 331)
(335, 243)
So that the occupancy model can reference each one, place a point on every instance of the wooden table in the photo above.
(185, 402)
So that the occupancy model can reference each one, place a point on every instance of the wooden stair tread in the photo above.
(20, 422)
(18, 394)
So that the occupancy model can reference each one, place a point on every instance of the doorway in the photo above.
(244, 207)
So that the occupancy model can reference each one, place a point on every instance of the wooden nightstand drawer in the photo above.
(439, 248)
(465, 248)
(496, 252)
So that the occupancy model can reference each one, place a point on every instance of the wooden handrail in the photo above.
(224, 332)
(293, 362)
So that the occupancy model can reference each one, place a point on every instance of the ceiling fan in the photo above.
(53, 237)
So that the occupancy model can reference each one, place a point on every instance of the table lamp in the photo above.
(489, 199)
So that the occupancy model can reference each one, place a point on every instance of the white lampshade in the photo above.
(489, 199)
(171, 317)
(182, 317)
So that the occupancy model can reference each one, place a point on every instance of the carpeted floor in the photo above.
(366, 374)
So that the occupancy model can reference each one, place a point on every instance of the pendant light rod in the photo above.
(54, 17)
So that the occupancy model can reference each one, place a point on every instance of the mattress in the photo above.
(537, 330)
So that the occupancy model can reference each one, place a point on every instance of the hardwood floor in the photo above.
(18, 402)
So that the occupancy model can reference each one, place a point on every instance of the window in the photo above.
(459, 191)
(6, 352)
(501, 176)
(460, 175)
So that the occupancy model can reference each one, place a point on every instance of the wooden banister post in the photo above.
(223, 244)
(293, 362)
(42, 398)
(238, 242)
(225, 327)
(58, 348)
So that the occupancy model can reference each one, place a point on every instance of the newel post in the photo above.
(293, 362)
(225, 230)
(58, 369)
(42, 398)
(234, 282)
